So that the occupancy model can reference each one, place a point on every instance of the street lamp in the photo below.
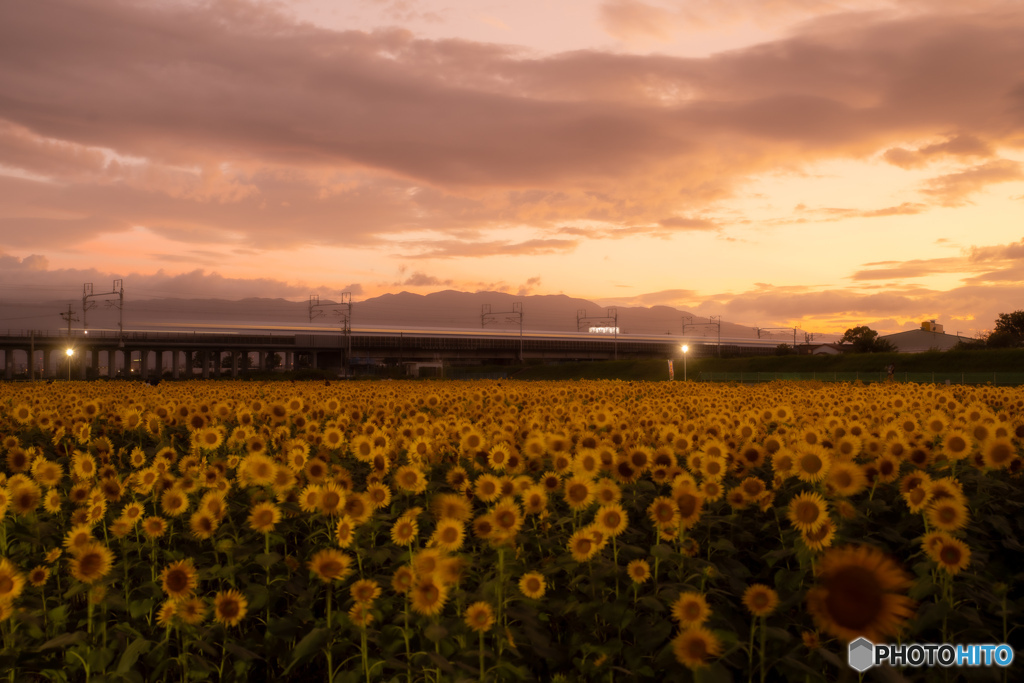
(70, 353)
(685, 348)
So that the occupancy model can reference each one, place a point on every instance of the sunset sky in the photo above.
(821, 163)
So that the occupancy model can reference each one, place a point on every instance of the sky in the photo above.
(812, 163)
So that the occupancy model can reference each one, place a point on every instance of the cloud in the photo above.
(953, 189)
(418, 279)
(825, 214)
(235, 127)
(454, 249)
(32, 279)
(355, 289)
(631, 20)
(956, 146)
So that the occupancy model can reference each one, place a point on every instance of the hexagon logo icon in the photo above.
(862, 654)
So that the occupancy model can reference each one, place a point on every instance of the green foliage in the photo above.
(865, 340)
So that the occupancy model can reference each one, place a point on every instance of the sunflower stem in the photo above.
(615, 562)
(405, 634)
(481, 651)
(764, 637)
(365, 654)
(330, 667)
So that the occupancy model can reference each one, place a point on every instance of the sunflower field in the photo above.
(502, 530)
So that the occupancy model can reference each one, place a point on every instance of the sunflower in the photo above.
(229, 607)
(174, 502)
(578, 493)
(691, 609)
(25, 497)
(611, 519)
(379, 495)
(192, 611)
(858, 593)
(932, 541)
(847, 479)
(948, 514)
(487, 487)
(760, 600)
(402, 579)
(78, 537)
(411, 479)
(998, 452)
(956, 444)
(811, 463)
(917, 498)
(344, 531)
(952, 554)
(582, 546)
(690, 505)
(263, 516)
(428, 595)
(820, 538)
(12, 582)
(330, 565)
(365, 590)
(639, 571)
(179, 579)
(360, 615)
(202, 524)
(38, 576)
(532, 585)
(165, 614)
(449, 535)
(694, 647)
(807, 511)
(507, 517)
(404, 531)
(535, 500)
(91, 562)
(479, 617)
(154, 526)
(663, 511)
(427, 562)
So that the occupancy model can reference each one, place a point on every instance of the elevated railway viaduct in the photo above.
(179, 354)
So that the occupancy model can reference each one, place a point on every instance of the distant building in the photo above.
(929, 337)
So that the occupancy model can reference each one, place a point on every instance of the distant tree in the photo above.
(865, 340)
(1009, 330)
(782, 350)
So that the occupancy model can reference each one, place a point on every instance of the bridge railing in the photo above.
(995, 378)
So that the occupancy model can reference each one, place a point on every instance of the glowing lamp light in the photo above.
(70, 352)
(684, 348)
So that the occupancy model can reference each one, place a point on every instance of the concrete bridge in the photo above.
(181, 354)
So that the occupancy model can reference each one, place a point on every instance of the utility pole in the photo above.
(611, 317)
(69, 316)
(345, 313)
(514, 316)
(713, 321)
(764, 329)
(117, 289)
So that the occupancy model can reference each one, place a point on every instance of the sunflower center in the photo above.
(176, 581)
(687, 504)
(855, 597)
(807, 512)
(90, 564)
(950, 555)
(6, 585)
(810, 463)
(229, 609)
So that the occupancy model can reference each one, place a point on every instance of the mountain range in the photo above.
(446, 309)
